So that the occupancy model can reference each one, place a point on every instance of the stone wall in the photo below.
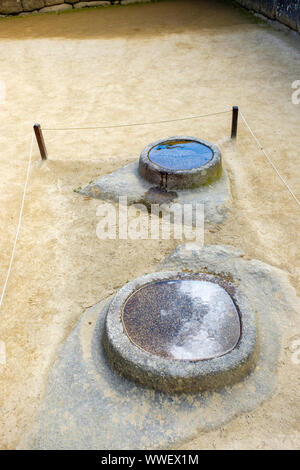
(25, 7)
(284, 11)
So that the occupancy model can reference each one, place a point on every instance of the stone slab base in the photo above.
(127, 182)
(88, 406)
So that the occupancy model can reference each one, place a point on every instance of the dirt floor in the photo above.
(132, 64)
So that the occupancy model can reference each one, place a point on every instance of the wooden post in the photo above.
(40, 141)
(235, 115)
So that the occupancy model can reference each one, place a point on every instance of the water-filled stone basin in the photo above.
(180, 332)
(180, 163)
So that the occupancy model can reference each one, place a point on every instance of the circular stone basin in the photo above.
(180, 163)
(180, 332)
(182, 319)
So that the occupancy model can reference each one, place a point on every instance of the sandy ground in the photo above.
(135, 64)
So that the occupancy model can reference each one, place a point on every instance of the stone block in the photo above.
(91, 4)
(267, 8)
(287, 12)
(56, 8)
(49, 3)
(31, 5)
(8, 7)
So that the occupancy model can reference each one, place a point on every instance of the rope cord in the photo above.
(19, 222)
(260, 146)
(133, 124)
(269, 159)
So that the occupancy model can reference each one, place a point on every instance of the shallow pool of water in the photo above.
(180, 155)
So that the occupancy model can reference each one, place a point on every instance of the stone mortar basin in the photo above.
(180, 162)
(179, 332)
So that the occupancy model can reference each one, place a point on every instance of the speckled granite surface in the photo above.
(182, 319)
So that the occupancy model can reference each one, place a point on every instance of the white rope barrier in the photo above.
(134, 124)
(269, 159)
(260, 146)
(19, 223)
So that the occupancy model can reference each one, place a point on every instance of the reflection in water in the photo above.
(182, 319)
(199, 333)
(180, 155)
